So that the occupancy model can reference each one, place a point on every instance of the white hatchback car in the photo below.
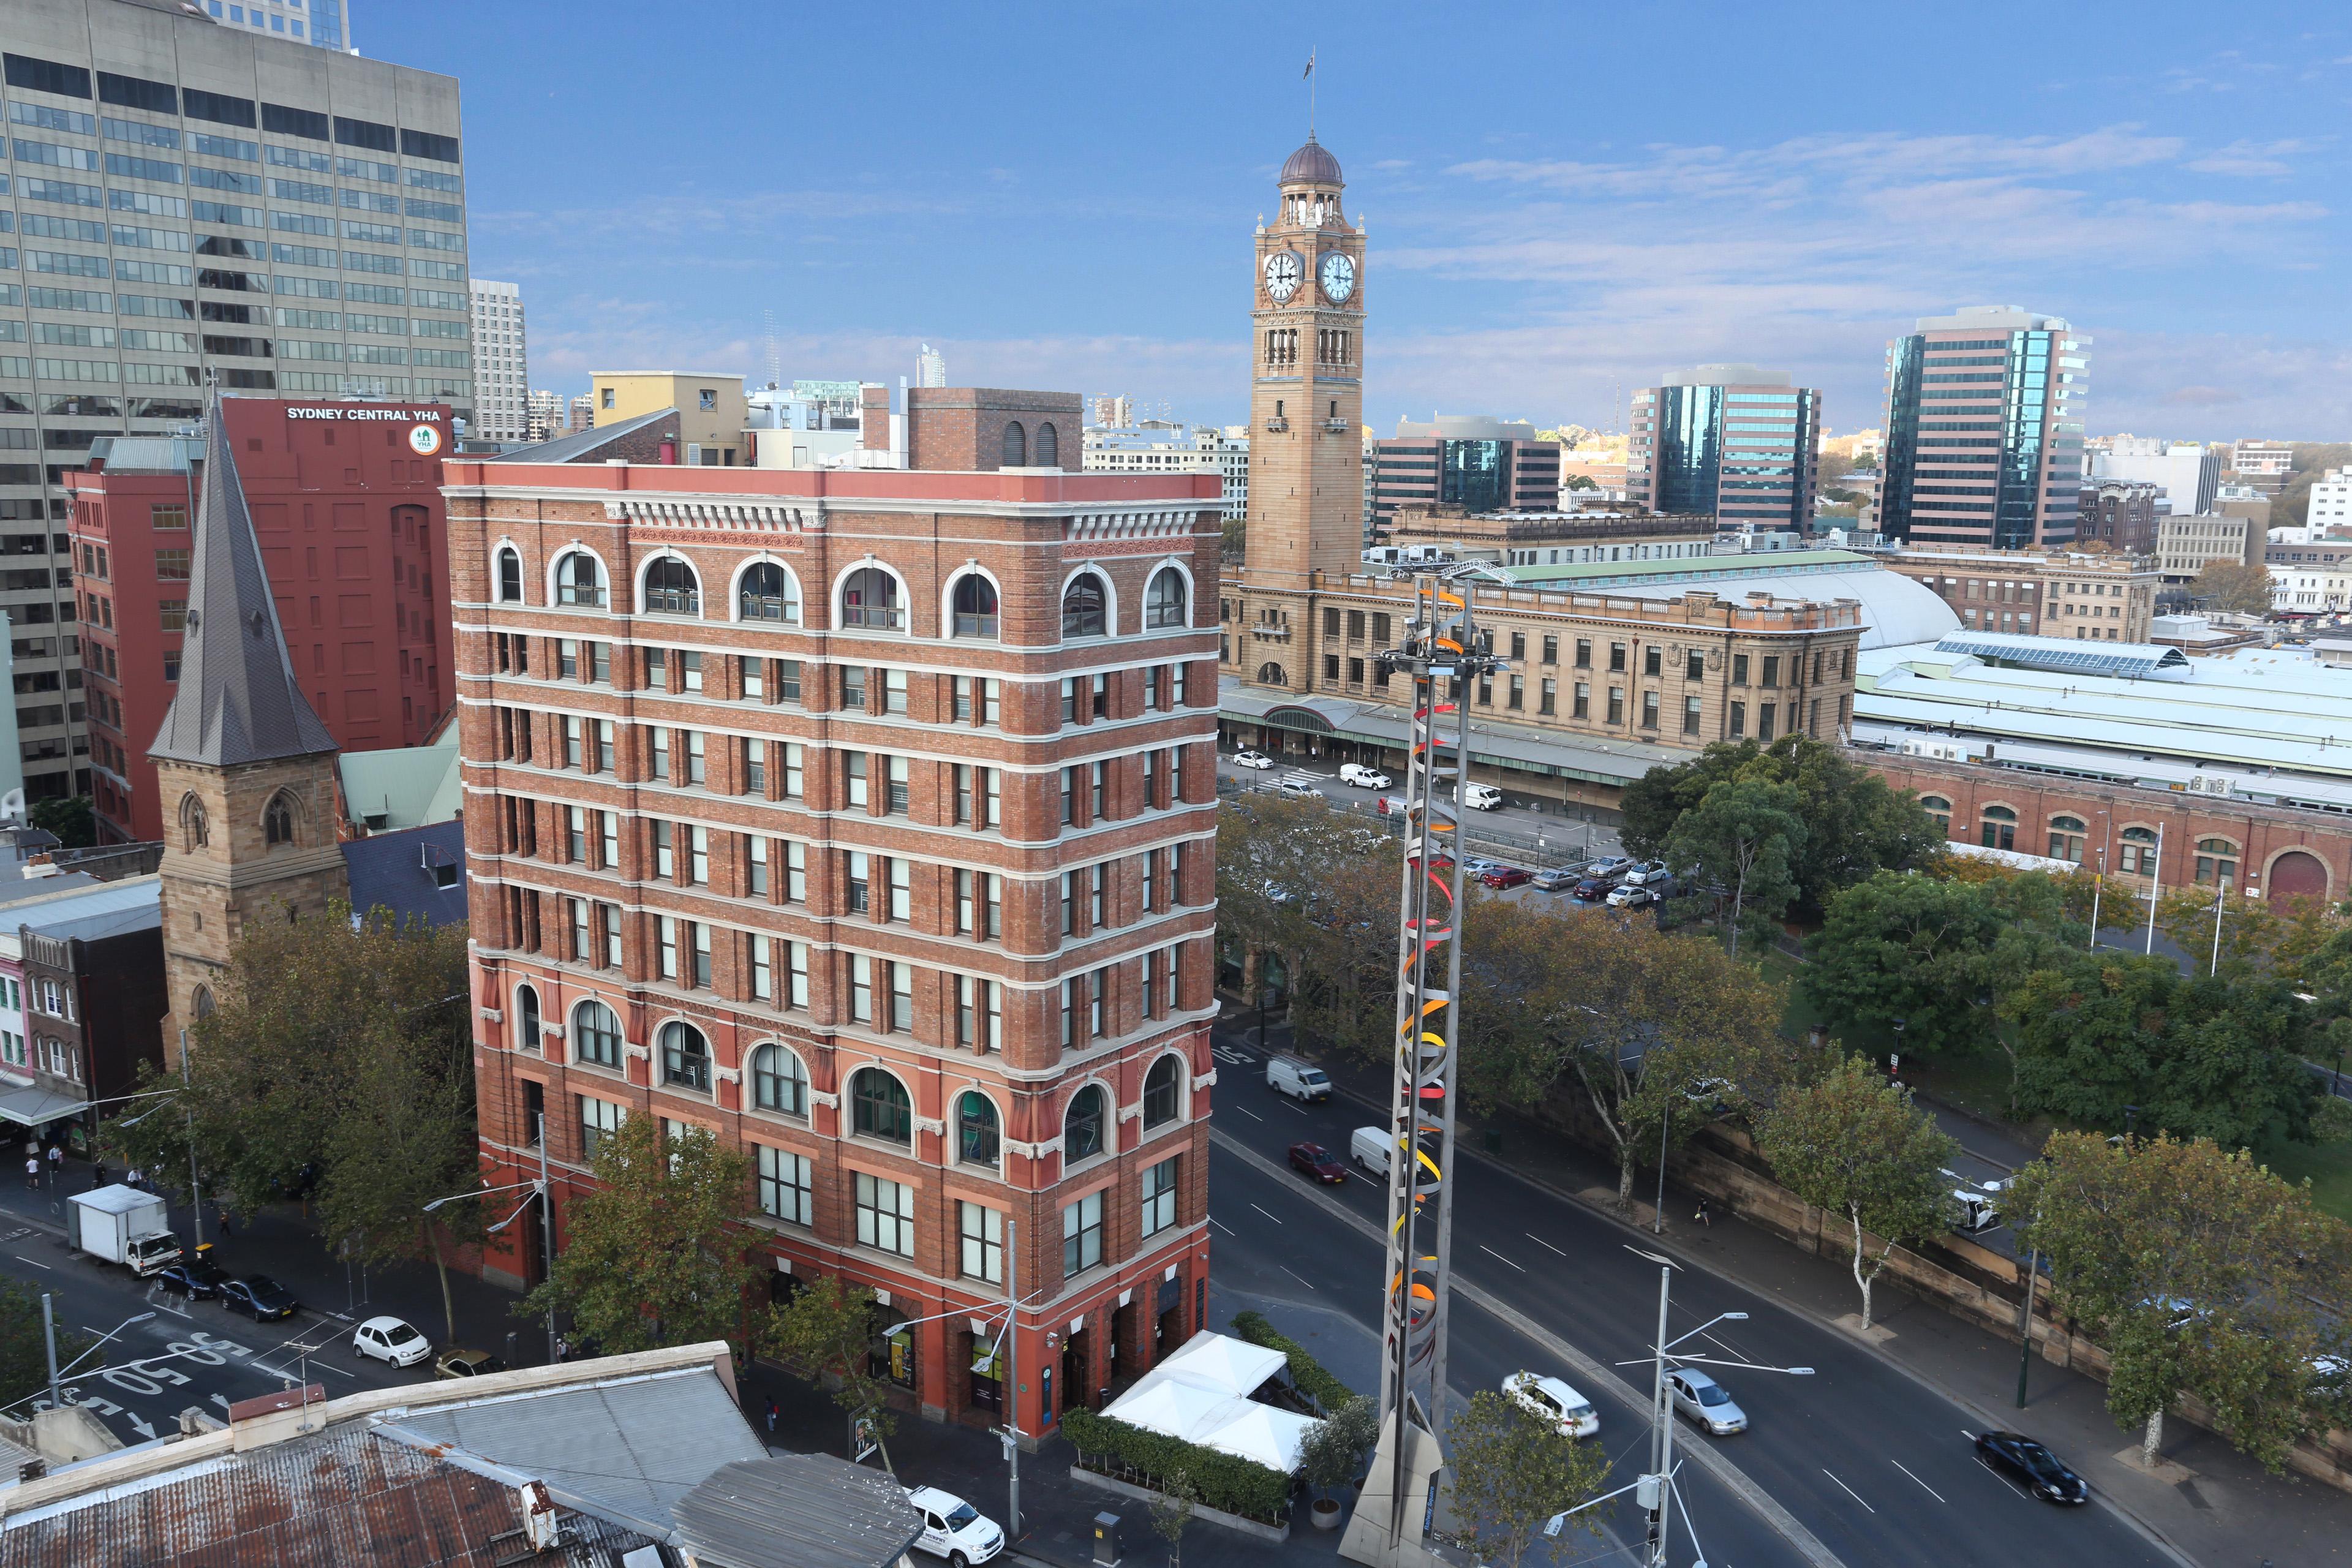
(391, 1342)
(1247, 759)
(1570, 1413)
(953, 1528)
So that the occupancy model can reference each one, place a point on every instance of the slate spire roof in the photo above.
(237, 701)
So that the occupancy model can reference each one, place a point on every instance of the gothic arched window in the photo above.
(1162, 1093)
(509, 577)
(1049, 447)
(1165, 604)
(1015, 453)
(686, 1058)
(1083, 602)
(277, 821)
(1082, 1125)
(195, 832)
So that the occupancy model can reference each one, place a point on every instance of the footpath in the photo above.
(2215, 1506)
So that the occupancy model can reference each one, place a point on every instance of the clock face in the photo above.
(1337, 276)
(1283, 273)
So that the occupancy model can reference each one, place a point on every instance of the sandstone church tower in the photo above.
(1306, 389)
(244, 764)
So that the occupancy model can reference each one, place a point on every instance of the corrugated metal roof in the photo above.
(798, 1511)
(582, 446)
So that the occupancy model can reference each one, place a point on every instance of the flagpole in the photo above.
(1310, 95)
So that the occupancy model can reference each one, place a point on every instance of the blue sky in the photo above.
(1562, 200)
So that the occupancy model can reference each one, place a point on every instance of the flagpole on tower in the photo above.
(1310, 95)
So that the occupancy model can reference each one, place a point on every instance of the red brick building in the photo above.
(866, 818)
(346, 502)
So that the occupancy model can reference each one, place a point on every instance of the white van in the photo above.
(1363, 777)
(1369, 1147)
(1481, 798)
(1285, 1075)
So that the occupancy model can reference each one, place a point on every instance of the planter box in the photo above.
(1250, 1527)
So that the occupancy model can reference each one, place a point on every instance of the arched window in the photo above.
(1049, 447)
(1015, 453)
(1163, 1088)
(527, 1017)
(2140, 849)
(580, 580)
(2067, 835)
(1083, 607)
(595, 1034)
(1271, 675)
(2217, 861)
(870, 598)
(509, 577)
(976, 1132)
(1164, 605)
(1999, 828)
(277, 821)
(195, 832)
(1937, 806)
(203, 1002)
(672, 588)
(768, 595)
(975, 606)
(686, 1058)
(880, 1106)
(779, 1082)
(1082, 1125)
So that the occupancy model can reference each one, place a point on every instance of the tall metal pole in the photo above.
(1658, 1215)
(1012, 1383)
(195, 1193)
(2026, 1332)
(1662, 1425)
(50, 1333)
(2155, 889)
(1448, 1086)
(547, 1229)
(2220, 895)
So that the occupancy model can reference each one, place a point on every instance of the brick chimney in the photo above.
(873, 417)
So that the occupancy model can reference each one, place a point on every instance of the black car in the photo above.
(258, 1296)
(198, 1280)
(1594, 888)
(2031, 1466)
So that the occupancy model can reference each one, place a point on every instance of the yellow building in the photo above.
(711, 413)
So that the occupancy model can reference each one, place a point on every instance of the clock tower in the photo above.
(1306, 390)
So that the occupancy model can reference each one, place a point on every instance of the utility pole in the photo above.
(547, 1229)
(1661, 1426)
(2155, 890)
(195, 1193)
(50, 1333)
(2025, 1334)
(1012, 1376)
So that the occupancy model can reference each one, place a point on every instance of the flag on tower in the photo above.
(1311, 66)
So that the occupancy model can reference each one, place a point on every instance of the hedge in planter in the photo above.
(1227, 1483)
(1310, 1374)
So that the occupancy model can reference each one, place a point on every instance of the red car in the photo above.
(1316, 1161)
(1506, 877)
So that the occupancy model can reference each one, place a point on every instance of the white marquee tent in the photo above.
(1201, 1394)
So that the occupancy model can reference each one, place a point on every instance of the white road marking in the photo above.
(173, 1311)
(1546, 1246)
(1244, 1110)
(1923, 1485)
(1267, 1215)
(33, 1261)
(221, 1400)
(1849, 1491)
(1491, 1253)
(1221, 1224)
(1302, 1279)
(1299, 1109)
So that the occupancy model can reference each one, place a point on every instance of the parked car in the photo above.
(1592, 889)
(390, 1341)
(1628, 896)
(259, 1297)
(1705, 1401)
(1559, 878)
(1974, 1211)
(466, 1364)
(196, 1278)
(1570, 1413)
(1480, 797)
(2026, 1463)
(1648, 874)
(953, 1528)
(1506, 877)
(1292, 789)
(1288, 1075)
(1363, 777)
(1316, 1161)
(1609, 866)
(1479, 864)
(1246, 758)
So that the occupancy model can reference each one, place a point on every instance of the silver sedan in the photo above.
(1705, 1401)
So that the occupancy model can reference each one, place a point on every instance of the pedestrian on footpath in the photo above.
(32, 1171)
(562, 1348)
(57, 1160)
(136, 1179)
(223, 1225)
(1703, 1216)
(772, 1414)
(96, 1175)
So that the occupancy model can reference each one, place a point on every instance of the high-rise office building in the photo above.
(2187, 473)
(545, 415)
(319, 22)
(1729, 441)
(1984, 430)
(194, 199)
(1466, 460)
(501, 363)
(930, 367)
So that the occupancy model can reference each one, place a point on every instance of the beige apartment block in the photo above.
(711, 411)
(2053, 594)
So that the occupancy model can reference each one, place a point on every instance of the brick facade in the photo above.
(879, 733)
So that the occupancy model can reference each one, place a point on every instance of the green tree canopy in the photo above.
(1318, 888)
(1512, 1471)
(1745, 835)
(1908, 948)
(24, 1349)
(70, 816)
(1853, 1143)
(828, 1330)
(2235, 587)
(1854, 824)
(2198, 1271)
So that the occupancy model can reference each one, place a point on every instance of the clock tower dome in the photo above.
(1306, 390)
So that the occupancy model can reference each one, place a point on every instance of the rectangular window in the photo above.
(1649, 710)
(668, 930)
(611, 935)
(571, 751)
(1739, 670)
(698, 765)
(1583, 653)
(1519, 697)
(982, 1230)
(786, 1190)
(664, 851)
(795, 782)
(608, 826)
(788, 680)
(597, 1117)
(755, 768)
(1547, 702)
(795, 871)
(894, 691)
(1160, 1196)
(604, 745)
(1738, 719)
(1765, 717)
(1652, 660)
(750, 676)
(861, 989)
(763, 969)
(1616, 705)
(886, 1215)
(902, 996)
(1069, 792)
(1551, 650)
(567, 658)
(896, 802)
(575, 836)
(796, 956)
(755, 862)
(1694, 666)
(659, 739)
(583, 941)
(1082, 1235)
(1771, 671)
(902, 900)
(861, 873)
(697, 857)
(1099, 798)
(1691, 705)
(853, 688)
(690, 664)
(853, 768)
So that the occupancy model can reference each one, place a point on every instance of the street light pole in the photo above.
(195, 1193)
(546, 1230)
(2025, 1334)
(1658, 1218)
(50, 1333)
(1013, 1377)
(1661, 1426)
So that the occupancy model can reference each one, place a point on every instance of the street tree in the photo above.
(24, 1352)
(2200, 1273)
(71, 817)
(2198, 1057)
(1853, 1143)
(827, 1329)
(1909, 949)
(1316, 888)
(2234, 587)
(653, 1254)
(1512, 1471)
(1744, 836)
(1335, 1446)
(1174, 1497)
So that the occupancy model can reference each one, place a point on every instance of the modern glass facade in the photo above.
(1984, 435)
(1690, 450)
(1745, 454)
(1475, 475)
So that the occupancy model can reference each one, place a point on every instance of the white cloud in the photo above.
(2251, 158)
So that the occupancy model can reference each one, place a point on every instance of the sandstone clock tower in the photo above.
(1306, 390)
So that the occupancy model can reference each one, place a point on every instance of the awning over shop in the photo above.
(28, 1105)
(1201, 1394)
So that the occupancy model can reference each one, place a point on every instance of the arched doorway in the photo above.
(2296, 874)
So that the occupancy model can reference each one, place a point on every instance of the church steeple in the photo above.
(237, 701)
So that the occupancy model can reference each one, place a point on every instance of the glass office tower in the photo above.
(1729, 441)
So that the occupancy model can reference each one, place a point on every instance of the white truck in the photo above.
(122, 1225)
